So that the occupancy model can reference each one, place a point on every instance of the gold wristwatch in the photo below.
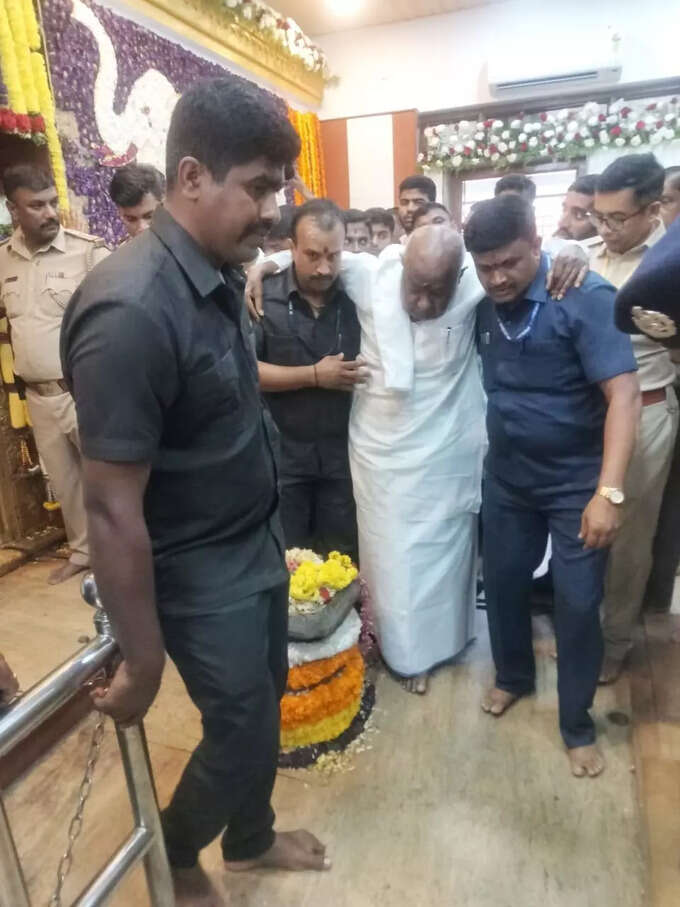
(613, 495)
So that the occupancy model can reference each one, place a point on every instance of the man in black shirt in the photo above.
(307, 346)
(180, 476)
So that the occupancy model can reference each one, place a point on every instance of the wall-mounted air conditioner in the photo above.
(513, 82)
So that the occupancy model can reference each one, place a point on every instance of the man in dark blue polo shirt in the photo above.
(563, 405)
(181, 480)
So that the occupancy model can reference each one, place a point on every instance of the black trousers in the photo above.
(319, 513)
(666, 551)
(516, 526)
(235, 665)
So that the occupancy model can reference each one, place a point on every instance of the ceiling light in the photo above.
(344, 7)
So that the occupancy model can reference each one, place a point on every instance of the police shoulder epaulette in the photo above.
(88, 237)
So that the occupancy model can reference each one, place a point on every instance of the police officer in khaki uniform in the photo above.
(40, 267)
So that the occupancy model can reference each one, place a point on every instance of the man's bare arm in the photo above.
(121, 557)
(602, 519)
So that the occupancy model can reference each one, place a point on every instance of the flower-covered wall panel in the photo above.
(118, 82)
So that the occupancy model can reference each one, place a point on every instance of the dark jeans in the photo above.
(666, 550)
(319, 513)
(516, 526)
(235, 664)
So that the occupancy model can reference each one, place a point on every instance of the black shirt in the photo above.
(313, 421)
(158, 351)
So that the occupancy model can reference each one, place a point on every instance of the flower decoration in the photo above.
(315, 581)
(280, 31)
(311, 160)
(558, 135)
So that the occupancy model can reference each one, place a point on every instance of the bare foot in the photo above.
(193, 888)
(292, 850)
(496, 702)
(586, 760)
(611, 670)
(61, 574)
(417, 684)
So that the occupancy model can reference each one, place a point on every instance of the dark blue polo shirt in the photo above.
(546, 412)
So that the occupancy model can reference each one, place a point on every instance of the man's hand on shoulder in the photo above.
(569, 269)
(256, 275)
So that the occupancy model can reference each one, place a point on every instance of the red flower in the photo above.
(467, 152)
(640, 125)
(578, 137)
(325, 594)
(651, 107)
(488, 123)
(615, 130)
(38, 123)
(544, 140)
(543, 117)
(602, 118)
(625, 111)
(659, 124)
(493, 149)
(523, 146)
(23, 122)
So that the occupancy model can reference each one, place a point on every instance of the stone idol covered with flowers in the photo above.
(327, 701)
(557, 135)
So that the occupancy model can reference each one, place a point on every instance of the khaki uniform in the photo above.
(35, 288)
(630, 559)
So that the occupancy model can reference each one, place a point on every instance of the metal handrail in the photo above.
(146, 840)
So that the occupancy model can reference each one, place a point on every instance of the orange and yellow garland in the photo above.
(24, 73)
(311, 162)
(322, 699)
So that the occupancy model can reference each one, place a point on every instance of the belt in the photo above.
(48, 388)
(658, 395)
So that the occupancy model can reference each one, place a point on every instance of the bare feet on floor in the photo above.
(61, 574)
(586, 761)
(292, 850)
(497, 702)
(611, 670)
(417, 684)
(193, 888)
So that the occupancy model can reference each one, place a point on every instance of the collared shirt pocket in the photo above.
(57, 290)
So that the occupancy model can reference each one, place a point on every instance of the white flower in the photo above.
(636, 140)
(439, 129)
(421, 157)
(593, 121)
(516, 124)
(617, 105)
(502, 147)
(572, 126)
(512, 145)
(549, 133)
(669, 117)
(494, 140)
(604, 138)
(458, 148)
(522, 137)
(544, 152)
(589, 143)
(505, 134)
(495, 157)
(457, 160)
(655, 138)
(232, 4)
(619, 142)
(533, 141)
(612, 119)
(427, 132)
(479, 136)
(426, 168)
(498, 124)
(471, 145)
(512, 158)
(480, 127)
(433, 141)
(487, 153)
(562, 145)
(669, 134)
(247, 12)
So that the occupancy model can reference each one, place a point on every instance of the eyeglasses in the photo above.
(614, 222)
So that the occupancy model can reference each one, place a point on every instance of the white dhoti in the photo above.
(416, 455)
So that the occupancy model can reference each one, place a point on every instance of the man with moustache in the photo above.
(40, 267)
(181, 478)
(307, 347)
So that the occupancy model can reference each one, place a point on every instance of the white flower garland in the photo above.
(558, 135)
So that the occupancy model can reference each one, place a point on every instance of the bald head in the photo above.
(432, 262)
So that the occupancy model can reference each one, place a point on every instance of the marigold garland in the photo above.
(53, 143)
(315, 672)
(10, 66)
(311, 161)
(17, 22)
(327, 698)
(326, 729)
(31, 25)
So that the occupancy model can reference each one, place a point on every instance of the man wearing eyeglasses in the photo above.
(307, 348)
(626, 213)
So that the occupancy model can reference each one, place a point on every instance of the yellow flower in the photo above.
(10, 66)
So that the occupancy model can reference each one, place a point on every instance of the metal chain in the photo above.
(76, 825)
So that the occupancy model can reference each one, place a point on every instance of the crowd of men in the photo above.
(397, 374)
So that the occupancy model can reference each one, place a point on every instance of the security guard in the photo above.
(563, 405)
(40, 267)
(307, 346)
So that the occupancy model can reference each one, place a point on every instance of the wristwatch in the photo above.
(613, 495)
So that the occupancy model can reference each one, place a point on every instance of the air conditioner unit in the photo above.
(507, 84)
